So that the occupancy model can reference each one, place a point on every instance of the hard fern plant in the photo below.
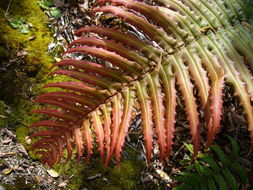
(170, 49)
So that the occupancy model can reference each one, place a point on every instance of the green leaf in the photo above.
(240, 171)
(209, 160)
(24, 29)
(230, 179)
(182, 187)
(203, 186)
(235, 148)
(55, 12)
(220, 181)
(211, 184)
(220, 154)
(199, 168)
(190, 178)
(203, 170)
(189, 147)
(16, 23)
(45, 4)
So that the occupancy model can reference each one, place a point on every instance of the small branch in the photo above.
(7, 10)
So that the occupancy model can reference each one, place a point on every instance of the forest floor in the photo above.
(19, 170)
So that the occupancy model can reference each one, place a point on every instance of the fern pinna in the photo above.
(189, 43)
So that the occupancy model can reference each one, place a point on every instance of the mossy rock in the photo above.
(21, 77)
(37, 59)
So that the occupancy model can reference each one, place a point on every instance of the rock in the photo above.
(53, 173)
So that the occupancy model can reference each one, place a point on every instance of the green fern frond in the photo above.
(213, 171)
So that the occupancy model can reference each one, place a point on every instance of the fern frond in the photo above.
(198, 45)
(211, 173)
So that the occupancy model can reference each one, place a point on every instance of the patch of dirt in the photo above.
(19, 170)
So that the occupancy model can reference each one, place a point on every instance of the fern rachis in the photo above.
(174, 51)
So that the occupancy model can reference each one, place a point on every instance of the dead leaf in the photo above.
(7, 140)
(28, 140)
(15, 167)
(21, 53)
(57, 59)
(163, 175)
(7, 171)
(21, 149)
(94, 177)
(7, 154)
(63, 184)
(51, 47)
(3, 117)
(53, 173)
(37, 178)
(32, 37)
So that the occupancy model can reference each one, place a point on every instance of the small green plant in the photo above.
(45, 4)
(48, 6)
(20, 24)
(213, 171)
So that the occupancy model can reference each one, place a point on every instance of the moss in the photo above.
(37, 59)
(21, 75)
(123, 177)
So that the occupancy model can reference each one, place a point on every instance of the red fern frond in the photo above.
(187, 43)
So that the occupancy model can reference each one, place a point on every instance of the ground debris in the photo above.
(94, 177)
(21, 149)
(6, 154)
(16, 165)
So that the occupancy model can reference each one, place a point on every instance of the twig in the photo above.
(7, 10)
(131, 147)
(175, 155)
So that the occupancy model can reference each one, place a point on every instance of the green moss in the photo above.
(123, 177)
(37, 59)
(18, 82)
